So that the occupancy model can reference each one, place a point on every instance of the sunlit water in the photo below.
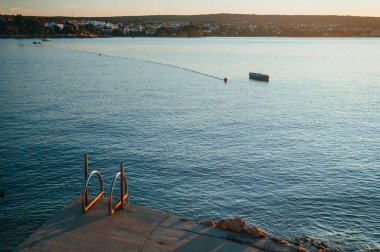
(298, 156)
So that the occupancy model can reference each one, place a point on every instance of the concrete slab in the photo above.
(135, 228)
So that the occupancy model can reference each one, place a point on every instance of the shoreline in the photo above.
(79, 36)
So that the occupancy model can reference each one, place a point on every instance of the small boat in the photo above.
(45, 39)
(259, 76)
(37, 42)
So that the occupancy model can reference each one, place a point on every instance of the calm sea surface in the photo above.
(298, 156)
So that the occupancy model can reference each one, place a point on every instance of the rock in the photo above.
(257, 232)
(185, 219)
(224, 224)
(302, 249)
(212, 223)
(237, 225)
(313, 242)
(321, 248)
(208, 223)
(280, 241)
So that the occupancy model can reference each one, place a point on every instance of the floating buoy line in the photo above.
(152, 62)
(163, 64)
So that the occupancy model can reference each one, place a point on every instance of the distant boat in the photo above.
(259, 76)
(45, 39)
(37, 42)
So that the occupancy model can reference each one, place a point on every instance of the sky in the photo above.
(82, 8)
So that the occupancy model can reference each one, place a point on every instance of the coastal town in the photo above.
(188, 26)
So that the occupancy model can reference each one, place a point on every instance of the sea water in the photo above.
(298, 156)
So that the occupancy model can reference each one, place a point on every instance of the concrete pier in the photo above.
(136, 228)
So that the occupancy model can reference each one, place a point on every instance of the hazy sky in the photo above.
(188, 7)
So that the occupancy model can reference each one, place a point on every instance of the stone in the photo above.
(321, 248)
(208, 223)
(302, 249)
(280, 241)
(257, 232)
(224, 224)
(237, 225)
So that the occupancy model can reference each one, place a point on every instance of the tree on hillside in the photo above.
(165, 32)
(19, 23)
(56, 29)
(90, 27)
(69, 28)
(192, 30)
(33, 25)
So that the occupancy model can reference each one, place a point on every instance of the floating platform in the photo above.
(259, 76)
(136, 228)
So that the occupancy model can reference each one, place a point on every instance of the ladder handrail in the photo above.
(123, 187)
(86, 207)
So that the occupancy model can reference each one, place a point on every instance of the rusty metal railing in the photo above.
(85, 204)
(123, 191)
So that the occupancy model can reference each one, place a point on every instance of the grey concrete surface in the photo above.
(135, 228)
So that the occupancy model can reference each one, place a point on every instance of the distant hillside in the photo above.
(191, 26)
(349, 21)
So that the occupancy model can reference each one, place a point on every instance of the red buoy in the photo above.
(225, 79)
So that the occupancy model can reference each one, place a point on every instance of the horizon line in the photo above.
(189, 15)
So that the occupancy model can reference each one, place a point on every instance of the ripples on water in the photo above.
(298, 156)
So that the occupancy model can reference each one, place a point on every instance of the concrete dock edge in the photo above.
(136, 228)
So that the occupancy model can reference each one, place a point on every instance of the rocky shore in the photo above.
(238, 225)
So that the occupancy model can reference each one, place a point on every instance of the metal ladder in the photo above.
(123, 189)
